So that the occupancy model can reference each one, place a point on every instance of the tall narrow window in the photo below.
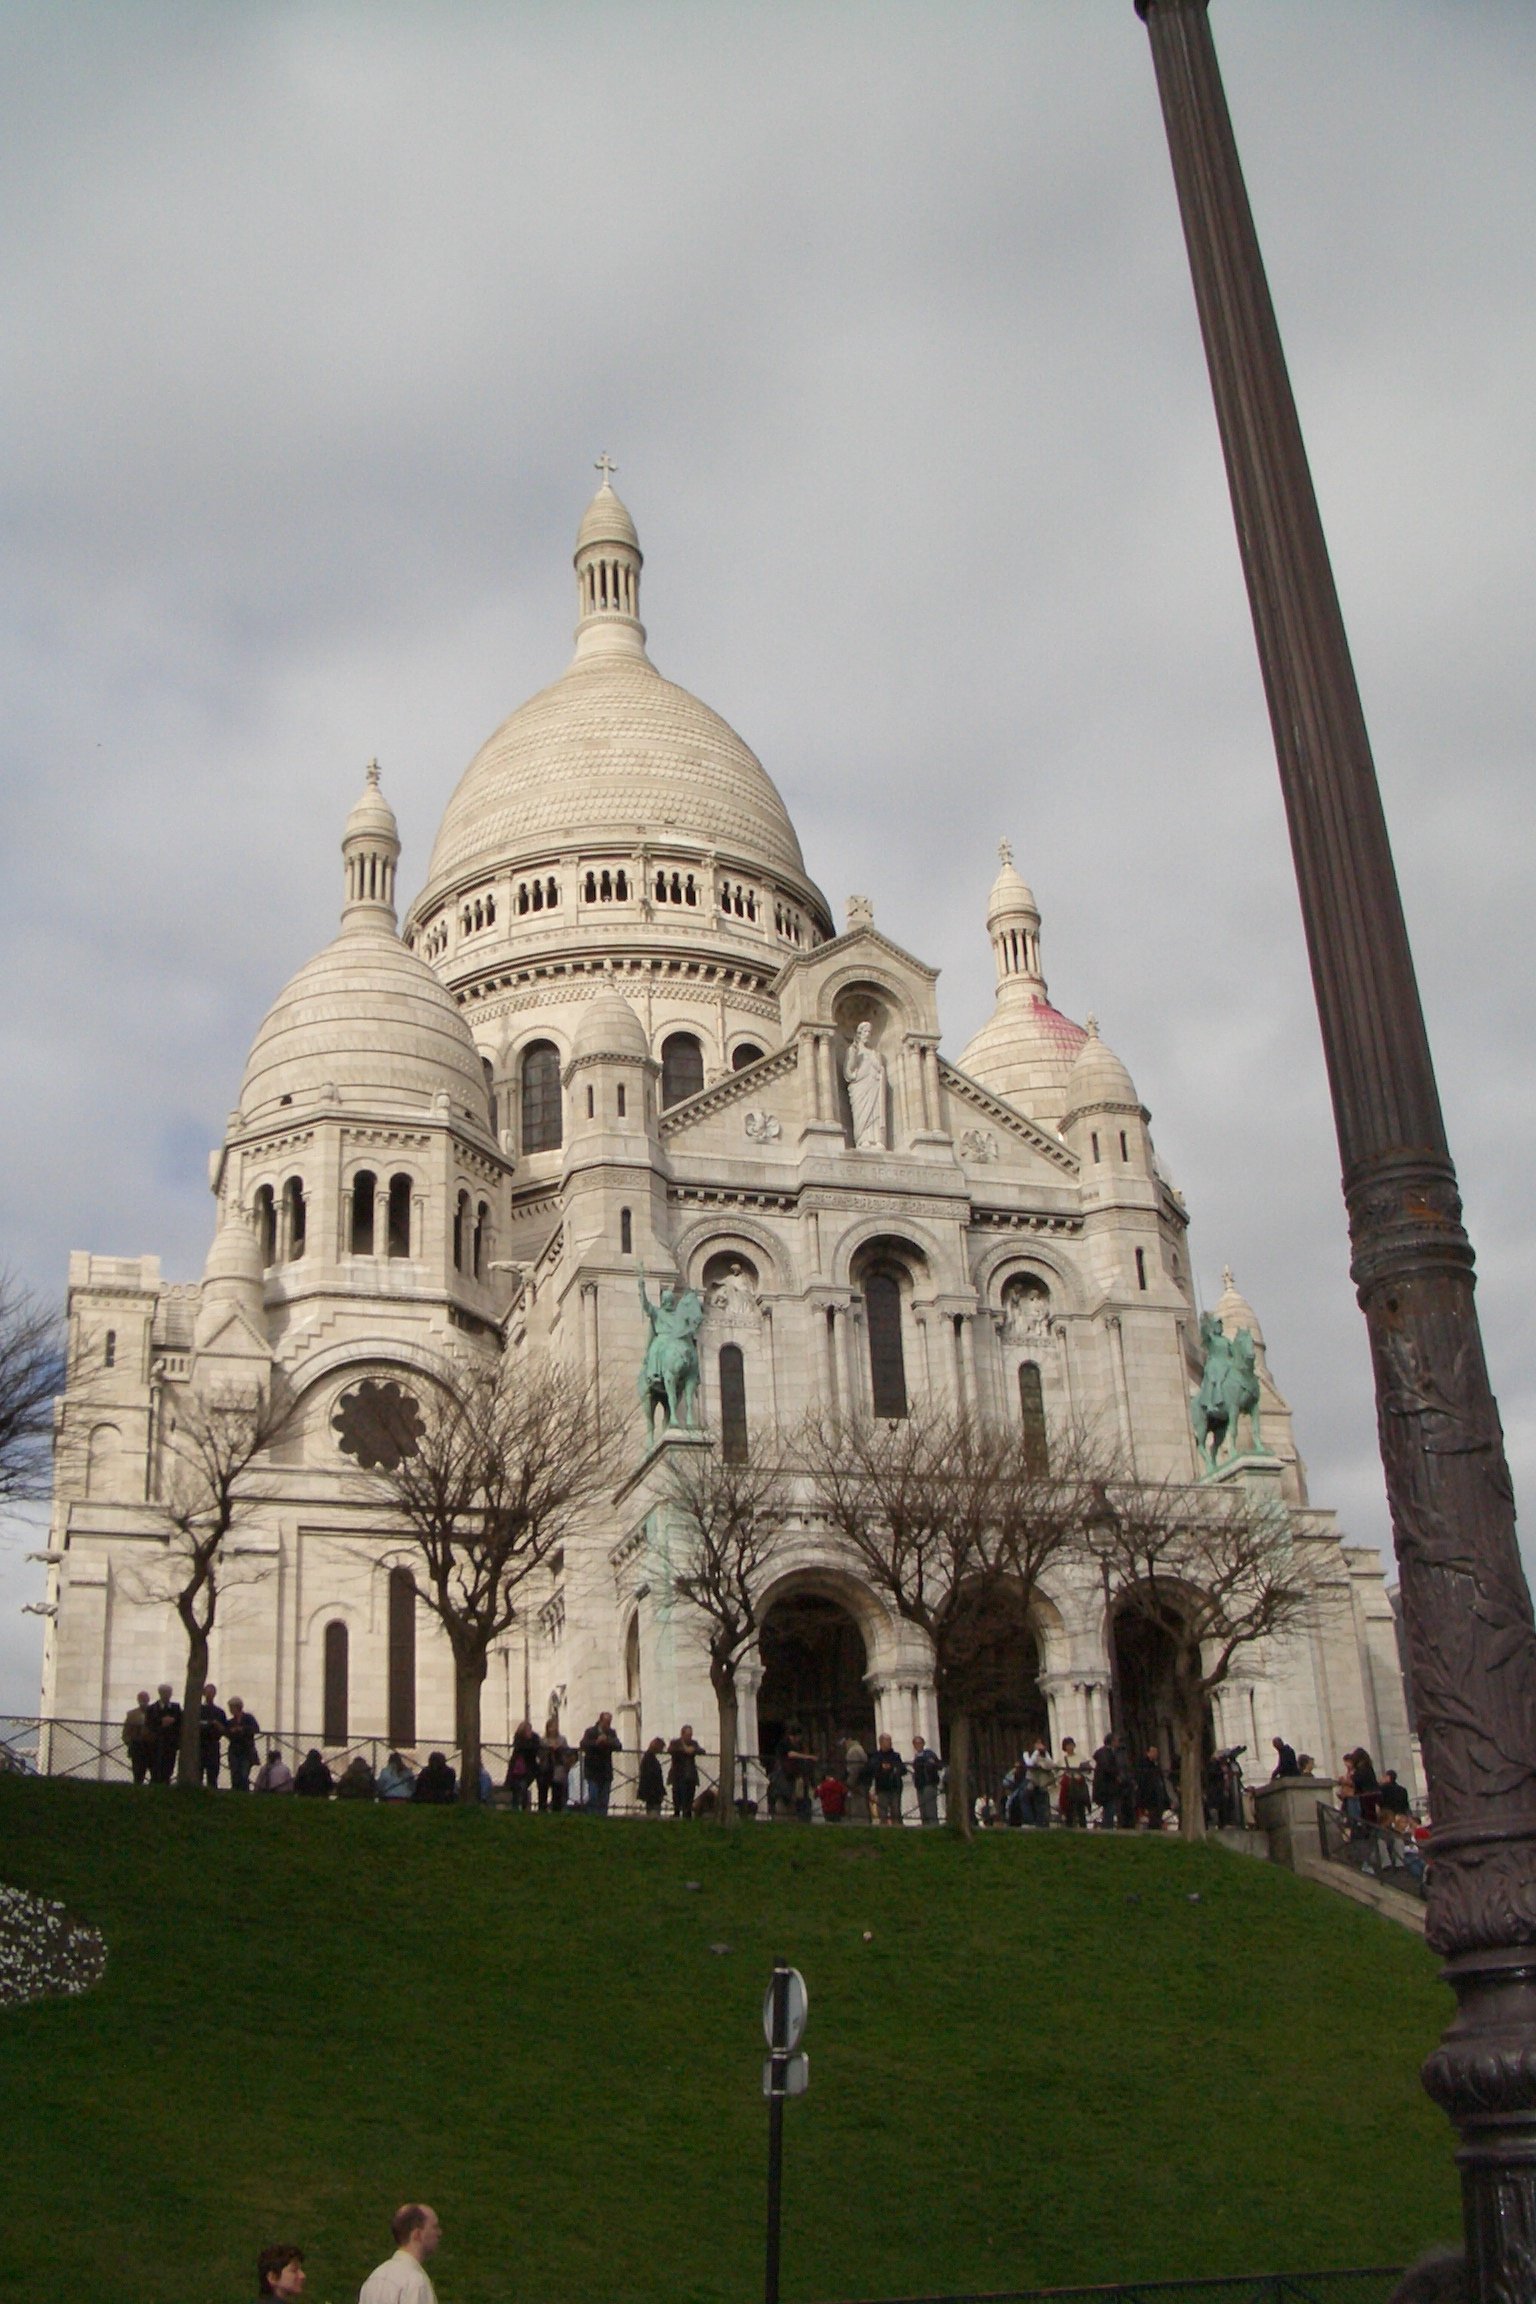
(460, 1231)
(1094, 1141)
(623, 1100)
(1141, 1268)
(490, 1088)
(334, 1706)
(364, 1185)
(626, 1233)
(541, 1097)
(733, 1404)
(402, 1656)
(482, 1239)
(399, 1216)
(109, 1349)
(591, 1102)
(682, 1068)
(266, 1224)
(887, 1357)
(293, 1204)
(1037, 1454)
(1125, 1149)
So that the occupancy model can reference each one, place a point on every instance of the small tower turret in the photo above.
(370, 847)
(608, 564)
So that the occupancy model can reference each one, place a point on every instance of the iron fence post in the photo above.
(1467, 1610)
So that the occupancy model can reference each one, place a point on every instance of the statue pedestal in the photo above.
(1257, 1471)
(1286, 1810)
(675, 1445)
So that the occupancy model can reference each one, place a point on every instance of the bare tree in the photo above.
(1213, 1569)
(953, 1520)
(212, 1447)
(726, 1520)
(31, 1373)
(488, 1473)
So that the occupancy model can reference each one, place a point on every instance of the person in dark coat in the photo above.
(437, 1784)
(1367, 1789)
(523, 1766)
(598, 1746)
(314, 1780)
(887, 1772)
(683, 1769)
(212, 1723)
(1152, 1789)
(652, 1784)
(1286, 1763)
(164, 1723)
(1393, 1797)
(244, 1728)
(357, 1781)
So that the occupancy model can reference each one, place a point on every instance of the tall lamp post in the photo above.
(1467, 1611)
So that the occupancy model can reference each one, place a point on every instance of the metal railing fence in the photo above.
(1395, 1859)
(1371, 2286)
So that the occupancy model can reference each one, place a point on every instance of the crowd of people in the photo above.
(401, 2279)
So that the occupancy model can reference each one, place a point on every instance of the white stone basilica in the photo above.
(620, 1034)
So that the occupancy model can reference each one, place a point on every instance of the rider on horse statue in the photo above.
(669, 1378)
(1229, 1391)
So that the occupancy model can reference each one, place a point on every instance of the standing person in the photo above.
(652, 1784)
(523, 1765)
(164, 1721)
(1285, 1760)
(1106, 1784)
(556, 1760)
(832, 1792)
(1344, 1785)
(887, 1771)
(1072, 1795)
(1038, 1774)
(1152, 1789)
(280, 2272)
(244, 1728)
(1367, 1788)
(275, 1774)
(139, 1737)
(416, 2232)
(396, 1781)
(598, 1746)
(927, 1768)
(212, 1721)
(683, 1770)
(856, 1774)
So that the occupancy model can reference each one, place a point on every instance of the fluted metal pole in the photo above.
(1466, 1607)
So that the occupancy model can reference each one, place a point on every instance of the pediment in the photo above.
(997, 1113)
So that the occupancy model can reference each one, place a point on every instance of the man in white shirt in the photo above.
(403, 2279)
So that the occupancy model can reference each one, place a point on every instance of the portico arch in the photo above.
(821, 1636)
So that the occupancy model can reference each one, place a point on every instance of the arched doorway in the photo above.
(1144, 1659)
(814, 1662)
(998, 1651)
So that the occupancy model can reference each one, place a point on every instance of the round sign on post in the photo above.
(797, 2002)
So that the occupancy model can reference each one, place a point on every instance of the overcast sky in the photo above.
(314, 318)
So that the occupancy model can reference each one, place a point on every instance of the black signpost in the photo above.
(785, 2073)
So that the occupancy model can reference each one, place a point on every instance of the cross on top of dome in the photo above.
(606, 465)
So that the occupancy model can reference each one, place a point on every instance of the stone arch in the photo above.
(319, 1389)
(1026, 1258)
(1143, 1654)
(103, 1458)
(862, 972)
(736, 1235)
(911, 1240)
(816, 1646)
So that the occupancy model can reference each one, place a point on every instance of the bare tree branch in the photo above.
(31, 1375)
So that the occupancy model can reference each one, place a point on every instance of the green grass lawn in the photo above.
(1050, 2064)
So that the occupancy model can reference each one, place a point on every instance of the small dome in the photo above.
(372, 818)
(606, 521)
(1011, 893)
(369, 1020)
(610, 1027)
(234, 1261)
(1024, 1051)
(1098, 1081)
(1234, 1310)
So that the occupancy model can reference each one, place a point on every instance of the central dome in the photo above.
(612, 750)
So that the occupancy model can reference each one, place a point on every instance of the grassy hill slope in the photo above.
(1050, 2064)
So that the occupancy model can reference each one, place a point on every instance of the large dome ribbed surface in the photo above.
(369, 1018)
(611, 751)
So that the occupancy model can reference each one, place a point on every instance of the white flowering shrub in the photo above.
(42, 1951)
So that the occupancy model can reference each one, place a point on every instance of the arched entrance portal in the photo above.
(1000, 1654)
(814, 1662)
(1144, 1658)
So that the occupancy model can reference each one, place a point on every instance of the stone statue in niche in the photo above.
(735, 1298)
(1026, 1315)
(864, 1072)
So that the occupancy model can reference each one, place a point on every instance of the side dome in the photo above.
(1098, 1081)
(1026, 1048)
(365, 1020)
(610, 1028)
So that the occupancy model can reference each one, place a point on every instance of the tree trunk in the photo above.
(957, 1791)
(725, 1700)
(1192, 1778)
(469, 1680)
(189, 1755)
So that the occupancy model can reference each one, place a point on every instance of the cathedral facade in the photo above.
(619, 1037)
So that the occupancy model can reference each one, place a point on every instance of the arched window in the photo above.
(626, 1233)
(334, 1703)
(460, 1230)
(887, 1355)
(402, 1656)
(746, 1053)
(482, 1238)
(1037, 1449)
(294, 1210)
(364, 1185)
(682, 1069)
(541, 1097)
(399, 1216)
(733, 1404)
(266, 1224)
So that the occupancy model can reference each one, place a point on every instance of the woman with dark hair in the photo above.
(314, 1780)
(523, 1766)
(1367, 1788)
(652, 1785)
(437, 1784)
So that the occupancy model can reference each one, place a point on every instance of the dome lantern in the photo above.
(608, 563)
(370, 848)
(1013, 923)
